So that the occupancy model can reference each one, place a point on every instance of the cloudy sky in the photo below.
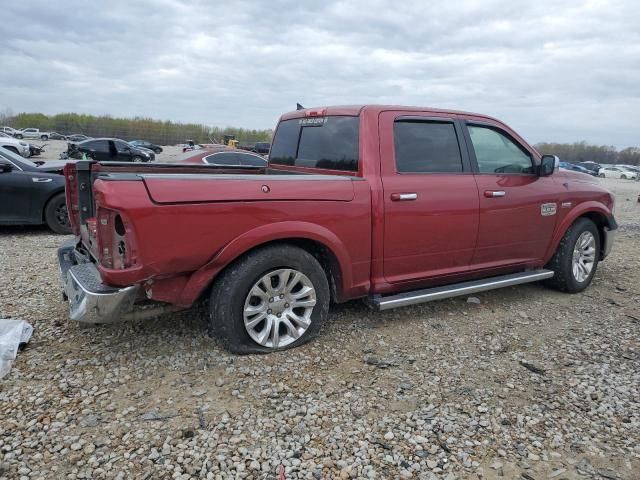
(553, 72)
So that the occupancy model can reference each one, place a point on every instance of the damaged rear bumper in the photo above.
(90, 301)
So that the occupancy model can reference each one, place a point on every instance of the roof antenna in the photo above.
(299, 107)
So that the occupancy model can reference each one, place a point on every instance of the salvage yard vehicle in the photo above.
(32, 133)
(17, 146)
(224, 157)
(109, 149)
(32, 193)
(148, 145)
(77, 137)
(394, 205)
(617, 172)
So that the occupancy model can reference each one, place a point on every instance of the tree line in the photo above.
(138, 128)
(584, 152)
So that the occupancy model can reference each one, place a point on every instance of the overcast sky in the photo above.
(553, 72)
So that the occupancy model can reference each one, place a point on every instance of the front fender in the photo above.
(260, 236)
(580, 210)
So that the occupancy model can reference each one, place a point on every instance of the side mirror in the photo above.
(5, 168)
(548, 165)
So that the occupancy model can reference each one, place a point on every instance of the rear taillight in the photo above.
(116, 246)
(71, 197)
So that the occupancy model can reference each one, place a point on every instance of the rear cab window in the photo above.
(328, 143)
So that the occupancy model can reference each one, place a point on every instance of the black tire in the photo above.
(157, 150)
(230, 290)
(562, 261)
(56, 215)
(137, 159)
(602, 175)
(44, 138)
(19, 136)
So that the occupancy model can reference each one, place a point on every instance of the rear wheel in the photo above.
(272, 299)
(137, 159)
(576, 258)
(56, 215)
(44, 138)
(19, 136)
(601, 175)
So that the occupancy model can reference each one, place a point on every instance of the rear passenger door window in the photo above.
(497, 153)
(426, 147)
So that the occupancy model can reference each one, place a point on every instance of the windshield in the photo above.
(317, 142)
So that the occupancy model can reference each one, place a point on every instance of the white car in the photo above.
(32, 133)
(617, 172)
(8, 130)
(15, 145)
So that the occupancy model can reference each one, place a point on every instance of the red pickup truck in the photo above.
(395, 205)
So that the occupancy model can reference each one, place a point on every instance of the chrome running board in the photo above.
(380, 302)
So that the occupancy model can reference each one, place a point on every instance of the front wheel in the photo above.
(137, 159)
(576, 258)
(56, 215)
(274, 298)
(19, 136)
(44, 138)
(601, 175)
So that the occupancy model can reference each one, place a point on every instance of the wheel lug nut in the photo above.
(286, 305)
(271, 300)
(269, 311)
(279, 315)
(281, 295)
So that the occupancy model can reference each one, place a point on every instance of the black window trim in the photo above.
(472, 152)
(467, 167)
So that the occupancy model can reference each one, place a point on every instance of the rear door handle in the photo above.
(494, 193)
(403, 197)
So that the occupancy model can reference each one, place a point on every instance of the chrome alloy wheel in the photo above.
(584, 256)
(277, 310)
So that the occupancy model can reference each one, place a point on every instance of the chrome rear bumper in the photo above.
(90, 301)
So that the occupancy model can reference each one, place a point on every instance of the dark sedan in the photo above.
(577, 168)
(32, 193)
(147, 145)
(77, 137)
(109, 150)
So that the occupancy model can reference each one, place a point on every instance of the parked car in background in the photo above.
(148, 145)
(32, 133)
(8, 130)
(395, 205)
(262, 148)
(77, 137)
(57, 136)
(15, 145)
(32, 193)
(617, 172)
(577, 168)
(109, 149)
(591, 166)
(224, 157)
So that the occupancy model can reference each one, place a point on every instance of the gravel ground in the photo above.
(529, 383)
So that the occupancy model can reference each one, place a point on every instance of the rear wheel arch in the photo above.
(322, 253)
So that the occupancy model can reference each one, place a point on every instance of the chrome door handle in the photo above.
(403, 197)
(40, 180)
(494, 193)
